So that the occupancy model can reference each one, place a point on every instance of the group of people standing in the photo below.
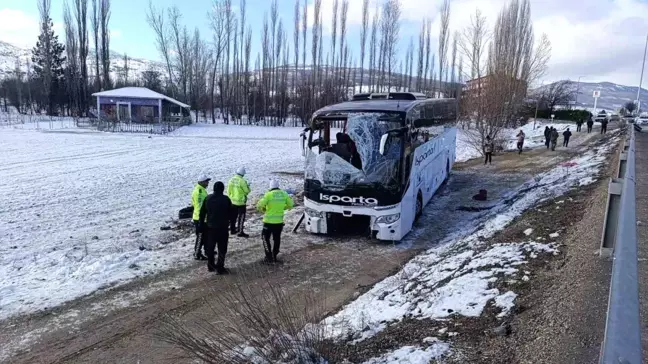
(590, 124)
(219, 215)
(551, 137)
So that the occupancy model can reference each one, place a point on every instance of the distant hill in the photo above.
(10, 54)
(613, 96)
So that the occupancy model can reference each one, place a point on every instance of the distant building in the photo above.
(484, 83)
(139, 104)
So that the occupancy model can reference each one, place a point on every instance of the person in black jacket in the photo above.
(590, 123)
(214, 217)
(547, 135)
(566, 135)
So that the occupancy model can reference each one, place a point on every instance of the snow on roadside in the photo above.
(412, 354)
(224, 131)
(458, 278)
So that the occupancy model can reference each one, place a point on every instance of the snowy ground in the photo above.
(534, 138)
(458, 277)
(83, 211)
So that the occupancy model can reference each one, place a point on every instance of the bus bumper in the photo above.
(383, 224)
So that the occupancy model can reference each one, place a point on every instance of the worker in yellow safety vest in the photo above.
(238, 189)
(198, 196)
(273, 205)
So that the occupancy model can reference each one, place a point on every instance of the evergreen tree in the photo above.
(48, 60)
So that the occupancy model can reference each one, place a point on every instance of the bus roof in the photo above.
(369, 105)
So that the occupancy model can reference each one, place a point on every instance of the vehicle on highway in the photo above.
(393, 152)
(602, 115)
(642, 120)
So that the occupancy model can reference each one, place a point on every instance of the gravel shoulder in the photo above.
(335, 271)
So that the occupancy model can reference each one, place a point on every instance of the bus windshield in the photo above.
(355, 157)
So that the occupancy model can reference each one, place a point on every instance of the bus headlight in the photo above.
(388, 219)
(313, 213)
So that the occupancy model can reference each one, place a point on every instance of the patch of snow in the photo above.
(506, 302)
(528, 231)
(81, 209)
(554, 235)
(412, 355)
(457, 277)
(525, 278)
(586, 181)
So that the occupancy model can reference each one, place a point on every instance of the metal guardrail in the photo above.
(622, 341)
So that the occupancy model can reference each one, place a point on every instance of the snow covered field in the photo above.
(76, 209)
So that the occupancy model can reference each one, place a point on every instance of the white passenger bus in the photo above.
(389, 157)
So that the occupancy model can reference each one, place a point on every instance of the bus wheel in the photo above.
(419, 206)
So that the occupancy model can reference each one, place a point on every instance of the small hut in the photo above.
(139, 105)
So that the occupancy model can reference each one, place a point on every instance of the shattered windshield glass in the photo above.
(355, 158)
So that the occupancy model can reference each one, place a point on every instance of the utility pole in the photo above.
(643, 64)
(577, 91)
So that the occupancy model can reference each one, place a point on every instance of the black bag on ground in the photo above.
(185, 213)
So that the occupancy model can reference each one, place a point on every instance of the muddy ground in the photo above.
(119, 325)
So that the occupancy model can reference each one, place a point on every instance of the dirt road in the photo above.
(118, 325)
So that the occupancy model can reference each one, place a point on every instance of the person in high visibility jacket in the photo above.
(238, 190)
(198, 196)
(273, 205)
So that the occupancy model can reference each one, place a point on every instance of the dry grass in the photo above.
(252, 320)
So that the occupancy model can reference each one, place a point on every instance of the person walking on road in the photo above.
(547, 135)
(273, 205)
(198, 196)
(554, 138)
(590, 123)
(214, 217)
(489, 146)
(604, 124)
(238, 190)
(579, 124)
(566, 135)
(520, 141)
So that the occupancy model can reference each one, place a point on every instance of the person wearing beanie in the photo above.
(215, 215)
(273, 204)
(198, 196)
(238, 190)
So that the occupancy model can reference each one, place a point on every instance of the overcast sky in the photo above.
(597, 40)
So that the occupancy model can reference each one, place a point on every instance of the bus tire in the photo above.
(419, 206)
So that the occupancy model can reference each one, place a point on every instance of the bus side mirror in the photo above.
(383, 143)
(302, 138)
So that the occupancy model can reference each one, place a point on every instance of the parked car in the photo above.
(642, 120)
(602, 115)
(615, 117)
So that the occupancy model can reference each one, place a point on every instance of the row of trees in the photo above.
(56, 79)
(288, 77)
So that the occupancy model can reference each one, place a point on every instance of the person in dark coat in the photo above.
(566, 135)
(547, 135)
(604, 124)
(554, 138)
(489, 146)
(579, 123)
(215, 217)
(590, 123)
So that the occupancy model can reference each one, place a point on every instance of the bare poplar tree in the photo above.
(344, 50)
(373, 48)
(410, 62)
(296, 19)
(363, 39)
(81, 17)
(316, 39)
(334, 37)
(155, 20)
(420, 84)
(94, 20)
(391, 21)
(72, 69)
(428, 50)
(444, 36)
(453, 65)
(105, 41)
(217, 23)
